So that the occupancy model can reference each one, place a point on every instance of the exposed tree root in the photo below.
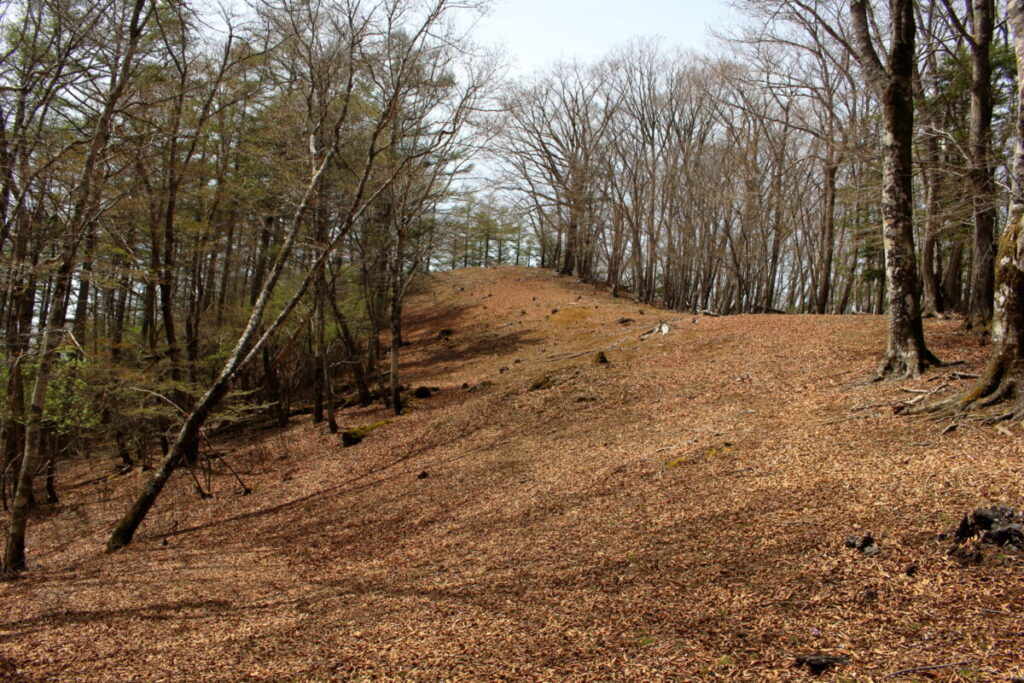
(998, 386)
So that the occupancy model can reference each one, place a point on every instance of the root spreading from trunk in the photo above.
(997, 396)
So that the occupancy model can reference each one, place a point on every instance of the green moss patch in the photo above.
(351, 437)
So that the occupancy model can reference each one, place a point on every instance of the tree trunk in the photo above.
(569, 254)
(931, 293)
(982, 175)
(272, 390)
(84, 278)
(952, 290)
(248, 343)
(53, 323)
(828, 221)
(1003, 379)
(183, 444)
(906, 355)
(395, 322)
(396, 336)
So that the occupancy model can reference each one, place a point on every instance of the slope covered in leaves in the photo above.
(678, 513)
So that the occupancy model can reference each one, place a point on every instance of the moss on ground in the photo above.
(351, 437)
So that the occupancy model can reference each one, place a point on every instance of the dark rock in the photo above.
(1011, 534)
(912, 569)
(445, 333)
(349, 438)
(625, 321)
(819, 662)
(503, 369)
(865, 544)
(422, 475)
(965, 530)
(867, 595)
(421, 392)
(600, 358)
(465, 385)
(554, 310)
(985, 519)
(966, 553)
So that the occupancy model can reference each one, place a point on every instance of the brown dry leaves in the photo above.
(550, 540)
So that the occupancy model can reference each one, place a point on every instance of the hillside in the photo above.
(676, 514)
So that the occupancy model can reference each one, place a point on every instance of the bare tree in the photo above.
(906, 355)
(82, 214)
(370, 36)
(1002, 382)
(978, 31)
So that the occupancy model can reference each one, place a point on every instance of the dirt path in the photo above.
(676, 514)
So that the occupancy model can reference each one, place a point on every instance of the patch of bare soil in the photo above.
(677, 513)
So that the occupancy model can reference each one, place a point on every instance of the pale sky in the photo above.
(538, 32)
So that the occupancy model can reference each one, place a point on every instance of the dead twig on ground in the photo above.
(963, 375)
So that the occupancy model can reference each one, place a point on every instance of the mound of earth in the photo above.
(676, 513)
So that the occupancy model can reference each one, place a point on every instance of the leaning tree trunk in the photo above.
(246, 346)
(251, 342)
(906, 355)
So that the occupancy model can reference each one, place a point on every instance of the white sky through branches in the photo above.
(538, 32)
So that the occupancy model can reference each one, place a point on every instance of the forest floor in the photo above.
(677, 514)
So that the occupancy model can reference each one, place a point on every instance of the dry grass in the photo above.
(676, 515)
